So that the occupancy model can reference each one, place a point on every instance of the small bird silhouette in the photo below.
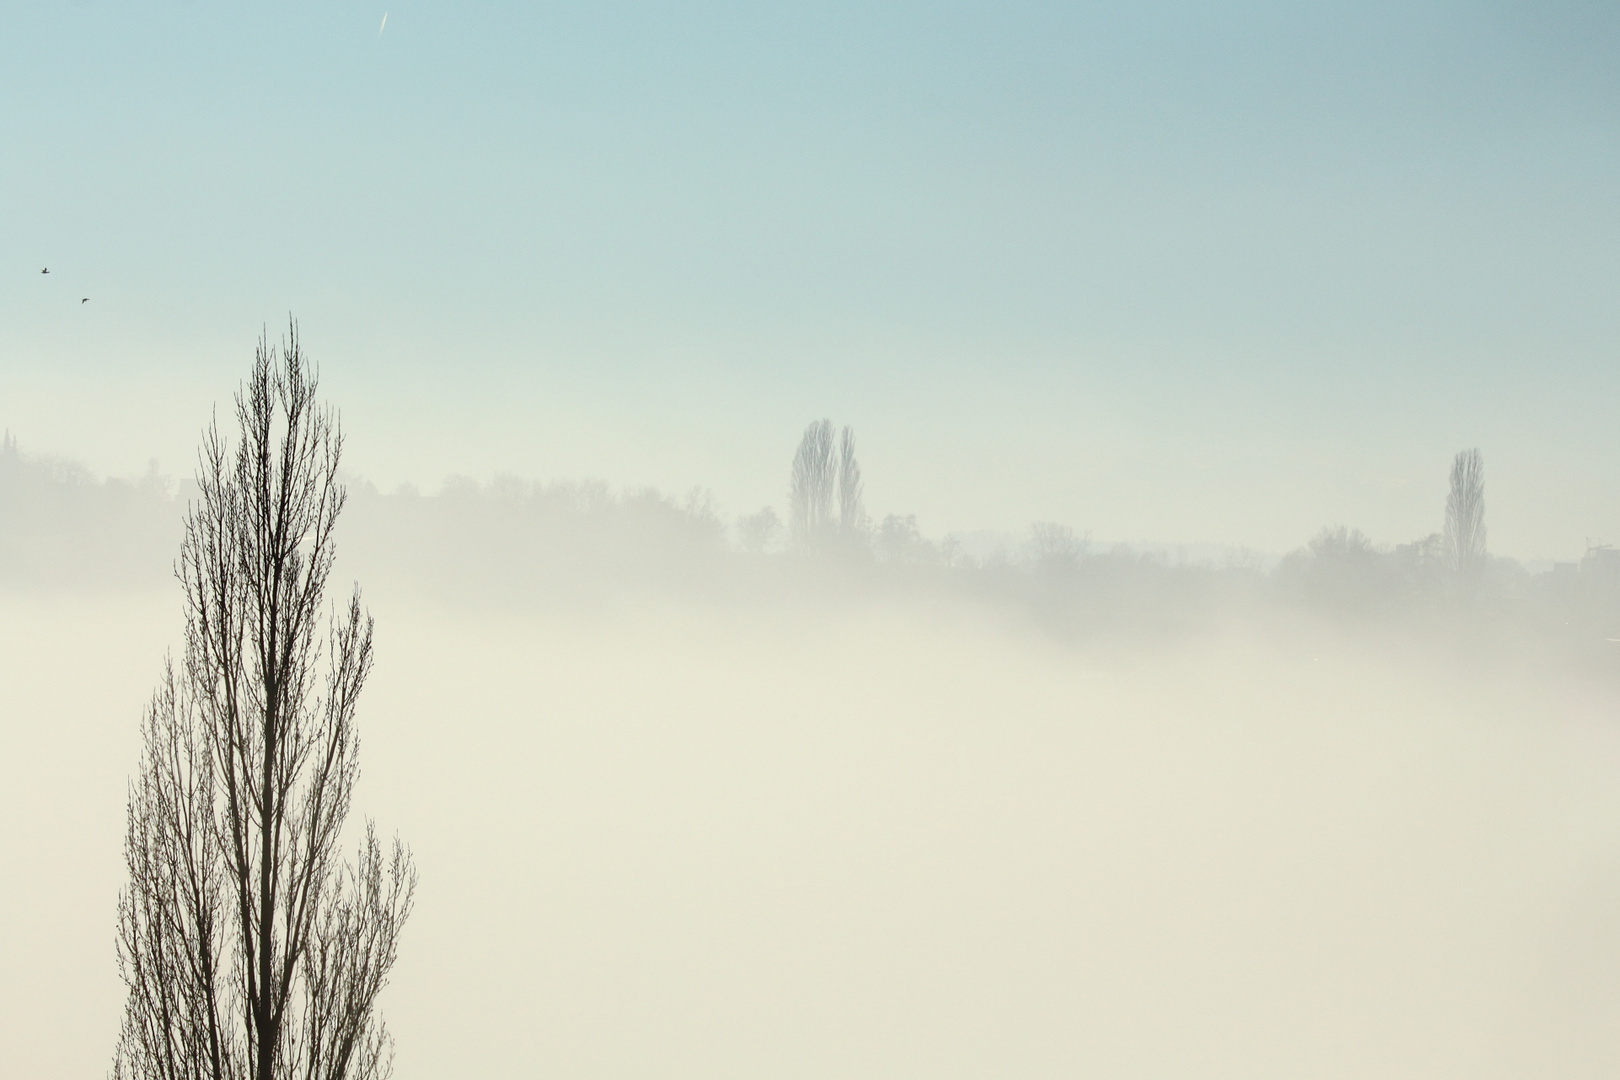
(46, 270)
(86, 300)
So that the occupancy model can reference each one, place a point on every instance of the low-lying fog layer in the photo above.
(895, 840)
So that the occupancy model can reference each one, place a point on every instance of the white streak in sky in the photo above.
(384, 24)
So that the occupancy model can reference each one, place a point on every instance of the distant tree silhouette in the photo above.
(248, 948)
(756, 531)
(899, 540)
(810, 487)
(1465, 519)
(825, 492)
(1340, 568)
(61, 525)
(700, 511)
(1423, 564)
(1055, 545)
(852, 522)
(1340, 544)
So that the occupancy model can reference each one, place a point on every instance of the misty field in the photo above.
(969, 541)
(894, 839)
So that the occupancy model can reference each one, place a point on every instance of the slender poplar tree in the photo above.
(825, 492)
(1465, 519)
(811, 487)
(852, 521)
(250, 949)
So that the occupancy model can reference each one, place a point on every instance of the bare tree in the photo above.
(852, 521)
(899, 540)
(249, 949)
(1465, 518)
(825, 474)
(756, 531)
(1056, 546)
(810, 489)
(1341, 569)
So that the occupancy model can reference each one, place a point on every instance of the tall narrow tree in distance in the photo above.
(249, 949)
(825, 492)
(1465, 518)
(811, 486)
(851, 508)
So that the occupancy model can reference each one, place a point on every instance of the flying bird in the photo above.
(86, 300)
(46, 270)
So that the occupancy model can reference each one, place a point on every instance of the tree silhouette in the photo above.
(810, 487)
(757, 530)
(825, 491)
(852, 523)
(248, 948)
(1465, 519)
(1056, 546)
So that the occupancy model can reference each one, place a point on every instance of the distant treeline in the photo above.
(514, 544)
(61, 528)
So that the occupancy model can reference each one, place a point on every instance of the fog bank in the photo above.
(885, 840)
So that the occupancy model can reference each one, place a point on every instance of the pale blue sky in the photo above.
(1183, 272)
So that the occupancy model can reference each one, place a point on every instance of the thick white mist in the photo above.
(800, 840)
